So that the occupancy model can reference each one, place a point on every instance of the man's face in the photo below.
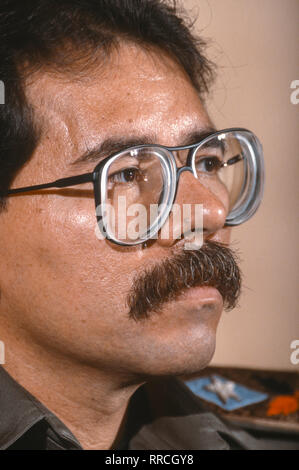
(63, 290)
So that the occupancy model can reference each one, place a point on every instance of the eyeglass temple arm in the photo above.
(233, 160)
(61, 183)
(86, 178)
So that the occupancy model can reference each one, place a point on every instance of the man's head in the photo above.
(77, 74)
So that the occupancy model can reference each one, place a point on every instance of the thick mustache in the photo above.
(213, 265)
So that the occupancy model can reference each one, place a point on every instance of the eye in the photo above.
(209, 164)
(128, 175)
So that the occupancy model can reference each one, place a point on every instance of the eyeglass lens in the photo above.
(137, 179)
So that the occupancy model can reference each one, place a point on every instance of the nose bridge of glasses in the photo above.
(186, 167)
(182, 156)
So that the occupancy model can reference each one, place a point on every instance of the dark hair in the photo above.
(62, 34)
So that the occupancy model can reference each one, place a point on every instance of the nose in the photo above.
(192, 199)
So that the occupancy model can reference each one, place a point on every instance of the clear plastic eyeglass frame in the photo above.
(250, 196)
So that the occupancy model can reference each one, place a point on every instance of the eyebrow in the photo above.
(115, 144)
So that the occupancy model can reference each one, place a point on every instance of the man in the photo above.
(97, 325)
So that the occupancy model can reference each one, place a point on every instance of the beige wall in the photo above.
(256, 44)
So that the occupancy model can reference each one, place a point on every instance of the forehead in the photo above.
(134, 92)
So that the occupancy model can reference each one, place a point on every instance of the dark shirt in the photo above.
(163, 414)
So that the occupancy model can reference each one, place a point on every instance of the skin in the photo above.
(68, 338)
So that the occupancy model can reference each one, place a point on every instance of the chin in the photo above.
(194, 362)
(184, 357)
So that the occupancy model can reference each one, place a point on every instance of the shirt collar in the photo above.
(20, 411)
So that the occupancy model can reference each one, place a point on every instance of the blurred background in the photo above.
(256, 47)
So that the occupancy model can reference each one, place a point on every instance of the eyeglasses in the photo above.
(228, 163)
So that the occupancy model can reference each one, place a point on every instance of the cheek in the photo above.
(52, 244)
(71, 249)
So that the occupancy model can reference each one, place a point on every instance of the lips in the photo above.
(205, 301)
(203, 295)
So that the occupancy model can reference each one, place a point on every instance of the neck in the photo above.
(92, 403)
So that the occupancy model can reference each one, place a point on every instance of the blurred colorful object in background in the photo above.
(284, 404)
